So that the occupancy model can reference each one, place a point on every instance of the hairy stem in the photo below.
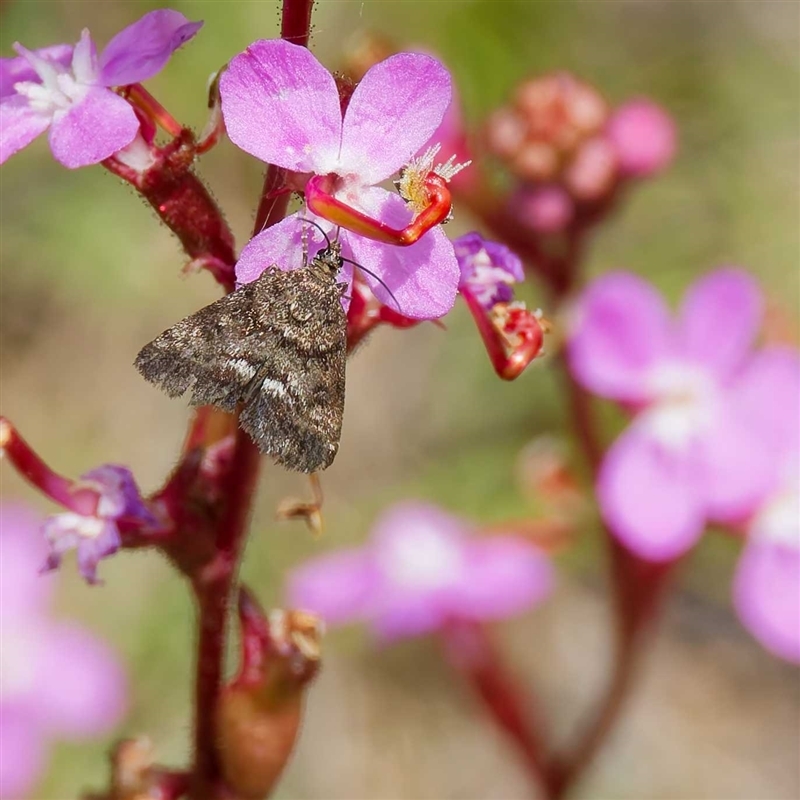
(214, 585)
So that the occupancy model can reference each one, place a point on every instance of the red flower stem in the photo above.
(296, 21)
(472, 653)
(184, 205)
(27, 462)
(213, 587)
(639, 587)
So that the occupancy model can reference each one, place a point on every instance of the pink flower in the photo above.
(421, 569)
(545, 209)
(488, 269)
(97, 535)
(766, 587)
(69, 90)
(690, 454)
(644, 137)
(282, 106)
(57, 680)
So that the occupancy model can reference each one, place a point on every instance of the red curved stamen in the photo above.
(324, 204)
(513, 335)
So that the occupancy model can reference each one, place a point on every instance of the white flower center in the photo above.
(684, 402)
(59, 89)
(422, 560)
(778, 520)
(19, 650)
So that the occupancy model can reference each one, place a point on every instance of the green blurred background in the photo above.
(89, 275)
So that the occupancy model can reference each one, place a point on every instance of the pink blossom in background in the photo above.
(282, 106)
(690, 454)
(767, 583)
(97, 536)
(420, 569)
(488, 269)
(57, 680)
(68, 90)
(644, 137)
(545, 209)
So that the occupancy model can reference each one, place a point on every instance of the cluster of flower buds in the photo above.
(570, 151)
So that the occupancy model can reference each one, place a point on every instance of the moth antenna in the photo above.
(369, 272)
(304, 240)
(321, 230)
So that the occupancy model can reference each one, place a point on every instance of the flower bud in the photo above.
(259, 714)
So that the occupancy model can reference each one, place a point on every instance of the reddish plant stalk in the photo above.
(638, 587)
(473, 654)
(213, 589)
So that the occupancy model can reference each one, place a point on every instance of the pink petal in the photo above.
(17, 70)
(92, 129)
(339, 587)
(283, 245)
(766, 594)
(22, 752)
(739, 468)
(22, 550)
(621, 329)
(644, 136)
(719, 319)
(392, 113)
(142, 49)
(19, 125)
(400, 615)
(282, 106)
(423, 277)
(767, 394)
(649, 497)
(506, 575)
(83, 692)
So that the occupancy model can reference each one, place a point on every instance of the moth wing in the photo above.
(297, 419)
(216, 352)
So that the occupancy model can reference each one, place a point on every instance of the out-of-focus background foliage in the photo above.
(89, 276)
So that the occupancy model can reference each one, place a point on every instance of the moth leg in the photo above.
(293, 508)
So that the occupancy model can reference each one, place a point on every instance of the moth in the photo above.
(278, 347)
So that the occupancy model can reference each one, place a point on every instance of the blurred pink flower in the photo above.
(644, 137)
(420, 570)
(545, 209)
(282, 106)
(767, 582)
(57, 680)
(69, 90)
(97, 535)
(690, 454)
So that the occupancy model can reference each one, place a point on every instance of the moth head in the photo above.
(328, 261)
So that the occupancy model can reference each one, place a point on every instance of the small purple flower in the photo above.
(69, 90)
(97, 536)
(282, 106)
(488, 269)
(56, 679)
(766, 587)
(420, 570)
(690, 454)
